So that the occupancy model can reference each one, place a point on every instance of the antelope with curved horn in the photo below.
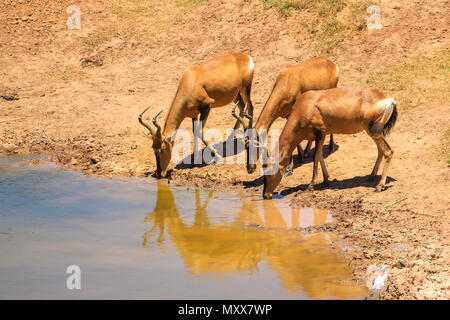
(313, 74)
(214, 83)
(339, 110)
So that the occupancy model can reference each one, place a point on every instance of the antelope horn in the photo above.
(233, 113)
(152, 131)
(155, 123)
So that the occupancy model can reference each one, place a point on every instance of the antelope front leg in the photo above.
(318, 155)
(203, 116)
(324, 172)
(290, 167)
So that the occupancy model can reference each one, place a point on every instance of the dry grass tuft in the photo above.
(400, 77)
(284, 6)
(138, 23)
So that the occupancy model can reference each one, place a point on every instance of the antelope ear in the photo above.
(168, 140)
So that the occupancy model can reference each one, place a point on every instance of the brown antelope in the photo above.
(342, 111)
(214, 83)
(313, 74)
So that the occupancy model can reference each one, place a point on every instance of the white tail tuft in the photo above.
(388, 106)
(251, 65)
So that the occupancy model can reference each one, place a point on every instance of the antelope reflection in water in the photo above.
(261, 231)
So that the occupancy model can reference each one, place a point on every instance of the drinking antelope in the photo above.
(339, 110)
(214, 83)
(313, 74)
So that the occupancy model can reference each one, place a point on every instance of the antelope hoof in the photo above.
(310, 187)
(267, 196)
(217, 158)
(379, 188)
(288, 172)
(326, 182)
(250, 170)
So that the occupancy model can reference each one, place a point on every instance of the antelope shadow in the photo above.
(297, 162)
(309, 157)
(358, 181)
(190, 161)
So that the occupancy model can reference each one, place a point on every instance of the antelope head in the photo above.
(250, 136)
(161, 146)
(271, 182)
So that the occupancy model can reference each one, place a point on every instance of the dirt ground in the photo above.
(77, 102)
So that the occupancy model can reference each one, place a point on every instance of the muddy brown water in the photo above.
(146, 239)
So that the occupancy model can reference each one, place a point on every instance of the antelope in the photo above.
(340, 110)
(214, 83)
(313, 74)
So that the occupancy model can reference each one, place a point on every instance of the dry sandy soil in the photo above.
(75, 95)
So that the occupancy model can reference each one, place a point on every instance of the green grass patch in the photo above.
(284, 6)
(336, 20)
(190, 3)
(400, 77)
(332, 22)
(419, 81)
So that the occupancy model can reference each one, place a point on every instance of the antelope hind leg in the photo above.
(331, 145)
(308, 147)
(377, 162)
(241, 111)
(388, 153)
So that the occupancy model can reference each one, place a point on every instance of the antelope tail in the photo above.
(391, 121)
